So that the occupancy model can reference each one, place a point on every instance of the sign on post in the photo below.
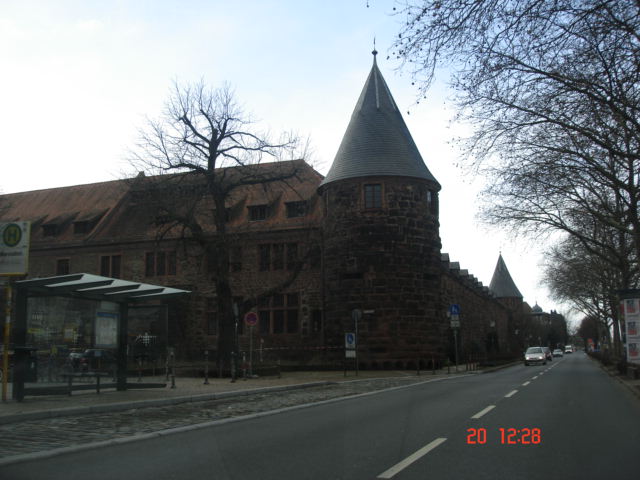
(14, 248)
(454, 315)
(251, 319)
(350, 345)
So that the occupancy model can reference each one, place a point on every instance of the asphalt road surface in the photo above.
(567, 420)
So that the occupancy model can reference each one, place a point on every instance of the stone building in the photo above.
(374, 218)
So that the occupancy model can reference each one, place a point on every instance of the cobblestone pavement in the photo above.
(41, 435)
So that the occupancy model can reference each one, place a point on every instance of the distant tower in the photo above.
(504, 289)
(381, 241)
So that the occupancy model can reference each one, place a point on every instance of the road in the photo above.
(588, 427)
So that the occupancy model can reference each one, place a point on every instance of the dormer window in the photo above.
(81, 227)
(50, 230)
(372, 196)
(296, 209)
(258, 213)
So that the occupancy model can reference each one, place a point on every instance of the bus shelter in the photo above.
(111, 321)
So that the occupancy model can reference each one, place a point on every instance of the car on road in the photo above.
(558, 353)
(535, 355)
(568, 349)
(547, 353)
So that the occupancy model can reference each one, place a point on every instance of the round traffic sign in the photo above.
(251, 319)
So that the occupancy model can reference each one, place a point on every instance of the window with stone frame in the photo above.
(63, 266)
(279, 314)
(111, 266)
(372, 196)
(277, 256)
(160, 263)
(258, 212)
(264, 257)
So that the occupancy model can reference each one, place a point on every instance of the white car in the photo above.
(558, 353)
(535, 355)
(568, 349)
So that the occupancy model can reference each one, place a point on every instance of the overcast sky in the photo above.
(79, 78)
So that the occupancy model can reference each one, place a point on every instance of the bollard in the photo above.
(206, 367)
(166, 366)
(418, 367)
(233, 367)
(433, 366)
(139, 369)
(244, 365)
(279, 371)
(173, 369)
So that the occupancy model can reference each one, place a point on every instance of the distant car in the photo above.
(568, 349)
(96, 359)
(547, 353)
(558, 353)
(535, 355)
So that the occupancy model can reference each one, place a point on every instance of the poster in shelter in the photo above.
(106, 329)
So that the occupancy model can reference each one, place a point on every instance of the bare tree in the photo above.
(205, 148)
(551, 89)
(574, 274)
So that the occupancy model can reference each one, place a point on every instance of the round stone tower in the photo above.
(381, 249)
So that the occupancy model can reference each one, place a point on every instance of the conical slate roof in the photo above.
(502, 285)
(377, 141)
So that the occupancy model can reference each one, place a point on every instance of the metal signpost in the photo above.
(356, 315)
(14, 261)
(454, 315)
(251, 319)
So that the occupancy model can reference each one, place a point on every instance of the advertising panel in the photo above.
(631, 308)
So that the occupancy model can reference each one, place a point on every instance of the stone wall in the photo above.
(385, 262)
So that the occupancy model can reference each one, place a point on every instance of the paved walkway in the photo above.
(187, 389)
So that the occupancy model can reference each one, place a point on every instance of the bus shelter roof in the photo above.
(95, 287)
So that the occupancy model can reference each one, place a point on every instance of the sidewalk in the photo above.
(186, 390)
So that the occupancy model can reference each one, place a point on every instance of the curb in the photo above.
(634, 390)
(159, 402)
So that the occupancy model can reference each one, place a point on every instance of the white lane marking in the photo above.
(398, 467)
(511, 393)
(525, 384)
(535, 377)
(483, 412)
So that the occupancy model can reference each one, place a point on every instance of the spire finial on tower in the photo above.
(374, 52)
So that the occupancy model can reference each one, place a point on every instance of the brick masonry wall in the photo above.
(476, 336)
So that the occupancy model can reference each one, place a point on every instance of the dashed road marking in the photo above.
(525, 384)
(511, 393)
(398, 467)
(484, 411)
